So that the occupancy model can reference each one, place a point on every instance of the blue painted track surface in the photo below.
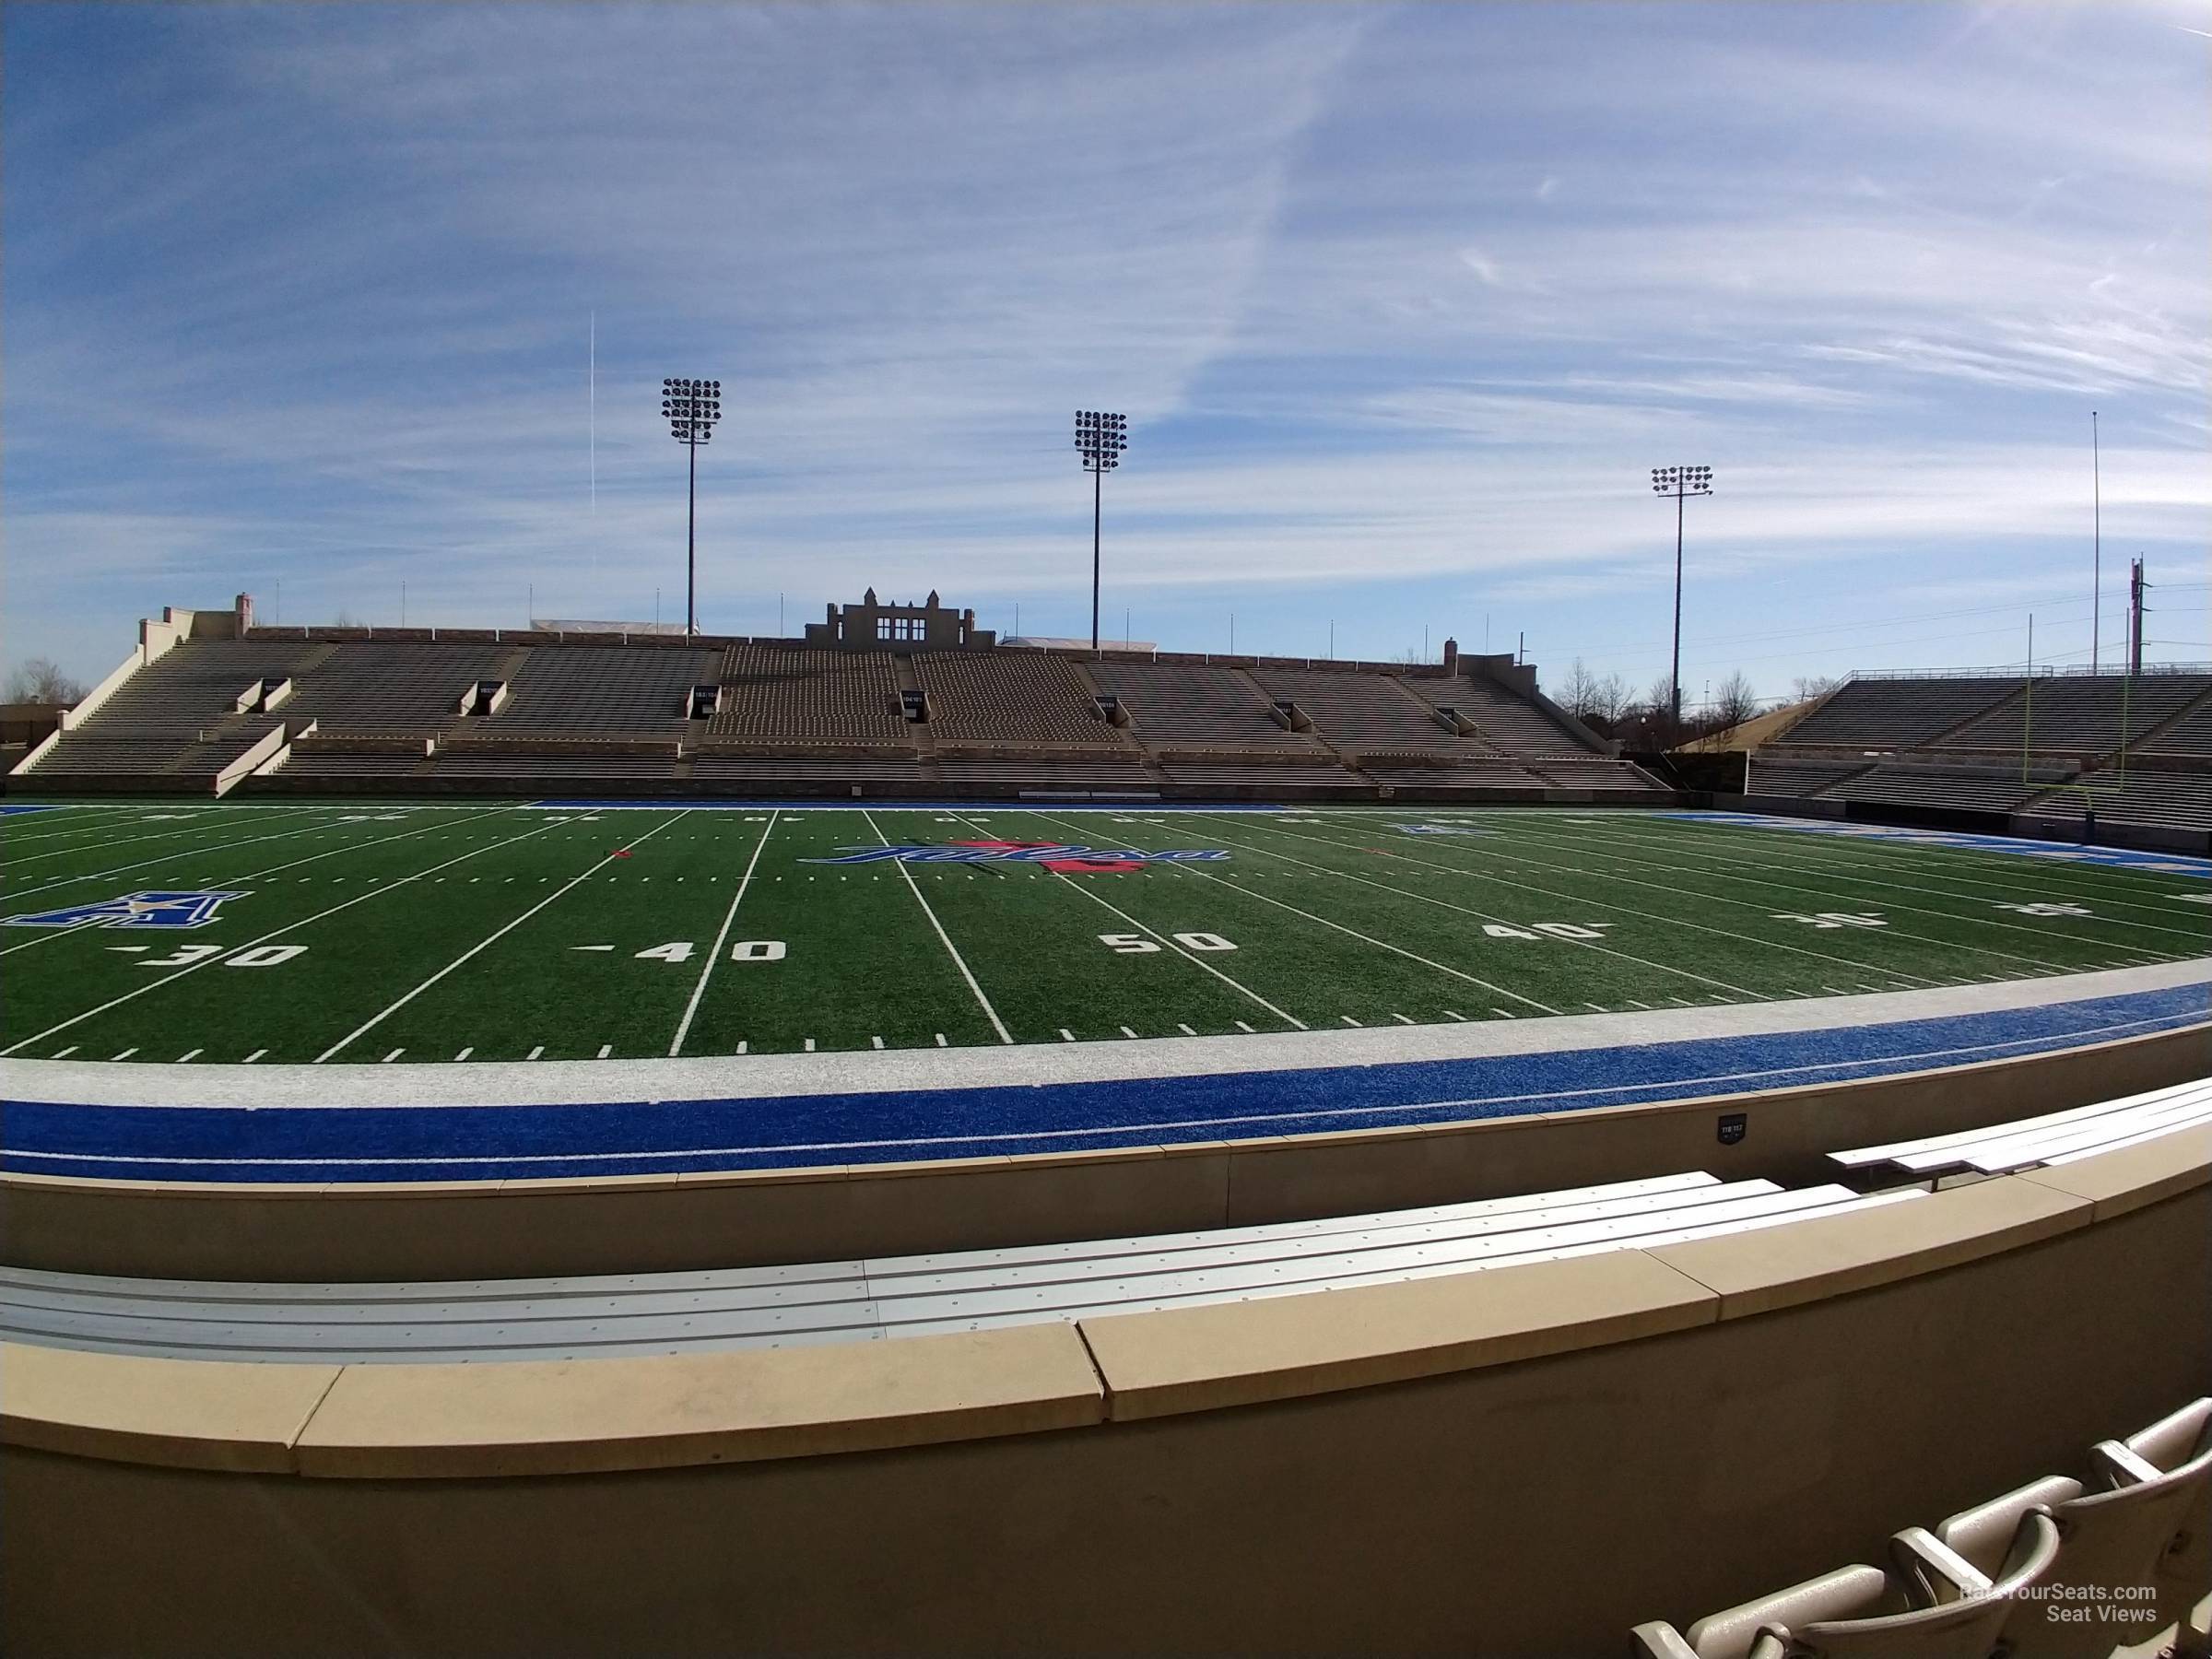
(476, 1143)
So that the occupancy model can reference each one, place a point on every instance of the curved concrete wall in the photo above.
(525, 1228)
(1524, 1461)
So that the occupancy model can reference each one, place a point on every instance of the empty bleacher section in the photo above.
(1801, 778)
(1503, 721)
(436, 710)
(2132, 797)
(1023, 697)
(395, 686)
(796, 694)
(602, 688)
(1983, 790)
(2133, 746)
(2079, 713)
(1897, 713)
(1187, 706)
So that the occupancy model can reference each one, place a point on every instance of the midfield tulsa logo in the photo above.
(133, 910)
(1059, 857)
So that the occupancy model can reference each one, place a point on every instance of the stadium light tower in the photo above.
(1681, 482)
(1101, 438)
(692, 407)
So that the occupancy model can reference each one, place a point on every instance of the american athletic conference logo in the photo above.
(132, 909)
(1063, 857)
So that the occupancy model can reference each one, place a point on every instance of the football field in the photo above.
(348, 933)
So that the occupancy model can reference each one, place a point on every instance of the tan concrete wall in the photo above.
(665, 1222)
(1521, 1462)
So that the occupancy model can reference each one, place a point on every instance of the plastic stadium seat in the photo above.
(2170, 1446)
(2113, 1543)
(1862, 1613)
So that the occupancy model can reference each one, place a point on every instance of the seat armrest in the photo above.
(1935, 1573)
(2121, 1466)
(1658, 1639)
(1983, 1533)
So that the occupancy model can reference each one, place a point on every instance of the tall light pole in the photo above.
(1099, 437)
(692, 407)
(1681, 482)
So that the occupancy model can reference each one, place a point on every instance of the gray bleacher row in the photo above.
(2059, 714)
(884, 1297)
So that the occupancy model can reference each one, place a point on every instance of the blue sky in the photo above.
(1401, 304)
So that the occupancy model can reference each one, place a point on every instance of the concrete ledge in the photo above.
(2115, 1183)
(582, 1417)
(190, 1414)
(1833, 1255)
(534, 1229)
(1278, 1347)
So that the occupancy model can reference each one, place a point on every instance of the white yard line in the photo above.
(913, 887)
(487, 943)
(1829, 873)
(173, 833)
(1187, 956)
(172, 979)
(161, 858)
(1489, 848)
(1356, 933)
(1603, 949)
(79, 828)
(683, 1026)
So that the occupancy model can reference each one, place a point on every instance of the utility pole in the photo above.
(2096, 538)
(2136, 584)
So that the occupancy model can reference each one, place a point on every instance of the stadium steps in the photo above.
(2187, 722)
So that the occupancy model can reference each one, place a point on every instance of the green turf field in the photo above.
(498, 932)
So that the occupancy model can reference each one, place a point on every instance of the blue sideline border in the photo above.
(639, 1137)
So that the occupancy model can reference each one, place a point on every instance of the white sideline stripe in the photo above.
(683, 1026)
(1603, 949)
(1915, 852)
(272, 869)
(1491, 848)
(173, 852)
(1800, 891)
(378, 1019)
(959, 961)
(172, 979)
(1354, 933)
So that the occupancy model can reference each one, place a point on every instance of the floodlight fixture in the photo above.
(1101, 437)
(692, 407)
(1681, 482)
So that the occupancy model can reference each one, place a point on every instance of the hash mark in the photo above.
(876, 1042)
(1243, 1027)
(187, 1054)
(741, 1045)
(124, 1055)
(940, 1039)
(605, 1049)
(1185, 1029)
(1403, 1019)
(534, 1052)
(394, 1055)
(1594, 1007)
(1349, 1020)
(1455, 1013)
(1066, 1035)
(1127, 1032)
(1507, 1012)
(810, 1045)
(466, 1052)
(248, 1060)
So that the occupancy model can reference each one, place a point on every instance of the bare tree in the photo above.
(1578, 692)
(1611, 700)
(39, 681)
(1806, 686)
(1735, 701)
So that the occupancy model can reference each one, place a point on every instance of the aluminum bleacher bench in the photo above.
(2057, 1137)
(879, 1298)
